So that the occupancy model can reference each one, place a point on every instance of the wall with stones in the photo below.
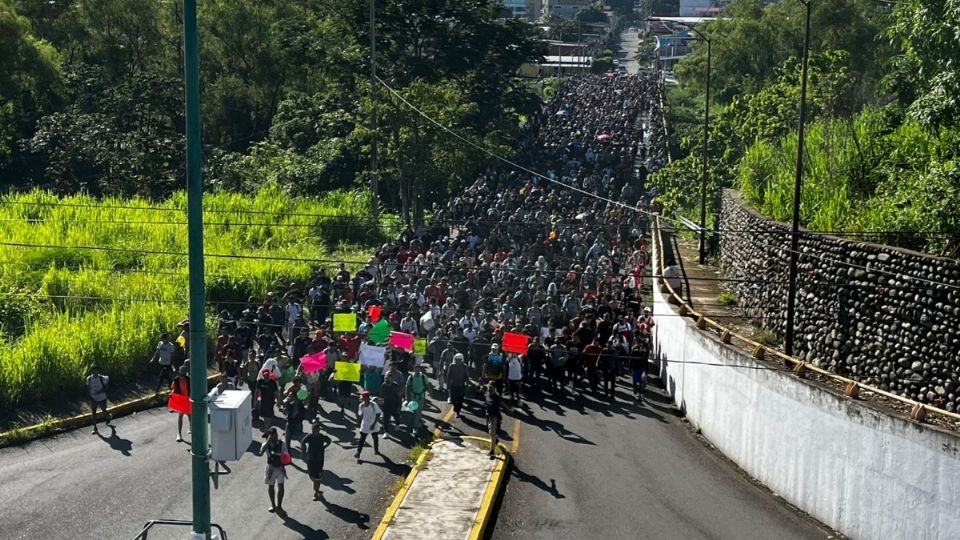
(863, 472)
(878, 314)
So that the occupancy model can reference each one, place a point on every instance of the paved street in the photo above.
(77, 485)
(629, 41)
(582, 467)
(586, 469)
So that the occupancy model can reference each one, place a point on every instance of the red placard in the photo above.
(375, 312)
(515, 343)
(179, 403)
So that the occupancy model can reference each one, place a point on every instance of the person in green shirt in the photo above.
(417, 386)
(372, 380)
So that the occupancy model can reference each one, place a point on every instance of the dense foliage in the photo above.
(881, 152)
(63, 309)
(91, 93)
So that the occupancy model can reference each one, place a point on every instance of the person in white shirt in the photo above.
(514, 377)
(369, 415)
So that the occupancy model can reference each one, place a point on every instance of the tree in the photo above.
(928, 32)
(29, 78)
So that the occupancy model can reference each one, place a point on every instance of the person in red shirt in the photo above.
(350, 346)
(181, 385)
(591, 353)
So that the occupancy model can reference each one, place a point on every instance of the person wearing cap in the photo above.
(494, 417)
(314, 447)
(493, 366)
(368, 415)
(457, 378)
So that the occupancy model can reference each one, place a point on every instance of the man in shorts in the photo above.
(274, 474)
(314, 446)
(97, 387)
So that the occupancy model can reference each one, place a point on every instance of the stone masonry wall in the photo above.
(863, 310)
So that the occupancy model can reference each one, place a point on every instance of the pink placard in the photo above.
(401, 340)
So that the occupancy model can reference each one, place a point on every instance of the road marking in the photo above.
(446, 420)
(516, 437)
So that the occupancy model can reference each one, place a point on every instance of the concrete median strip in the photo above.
(29, 433)
(449, 494)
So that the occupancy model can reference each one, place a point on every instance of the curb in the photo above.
(484, 514)
(401, 494)
(37, 431)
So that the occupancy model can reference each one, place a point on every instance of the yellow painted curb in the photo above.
(398, 499)
(29, 433)
(482, 520)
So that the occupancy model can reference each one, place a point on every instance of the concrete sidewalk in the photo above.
(448, 495)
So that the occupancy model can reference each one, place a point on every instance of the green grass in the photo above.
(416, 451)
(765, 337)
(63, 309)
(727, 298)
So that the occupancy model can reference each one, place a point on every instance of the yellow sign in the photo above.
(347, 371)
(344, 322)
(420, 347)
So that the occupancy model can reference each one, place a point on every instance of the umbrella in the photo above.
(314, 362)
(603, 137)
(563, 112)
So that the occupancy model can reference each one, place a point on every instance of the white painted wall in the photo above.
(864, 473)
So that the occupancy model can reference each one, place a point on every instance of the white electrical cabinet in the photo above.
(231, 425)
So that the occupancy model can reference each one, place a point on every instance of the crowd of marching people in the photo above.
(558, 259)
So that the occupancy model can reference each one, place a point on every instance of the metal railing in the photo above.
(918, 411)
(175, 522)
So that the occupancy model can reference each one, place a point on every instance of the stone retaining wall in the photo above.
(863, 310)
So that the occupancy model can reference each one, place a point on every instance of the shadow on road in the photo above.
(536, 481)
(124, 446)
(337, 483)
(305, 531)
(348, 515)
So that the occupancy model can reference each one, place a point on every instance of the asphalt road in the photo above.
(629, 41)
(589, 469)
(582, 468)
(78, 486)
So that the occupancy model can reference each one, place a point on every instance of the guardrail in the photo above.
(918, 411)
(176, 523)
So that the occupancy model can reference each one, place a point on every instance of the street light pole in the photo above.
(199, 446)
(797, 185)
(705, 170)
(374, 180)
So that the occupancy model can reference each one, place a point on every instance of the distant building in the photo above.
(702, 8)
(517, 8)
(563, 8)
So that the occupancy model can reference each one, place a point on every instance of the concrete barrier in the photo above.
(863, 472)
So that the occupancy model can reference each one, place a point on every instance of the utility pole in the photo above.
(797, 187)
(199, 446)
(374, 180)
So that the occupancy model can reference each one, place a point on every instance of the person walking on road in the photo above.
(609, 367)
(314, 447)
(97, 388)
(369, 417)
(267, 389)
(457, 378)
(493, 416)
(514, 378)
(392, 393)
(295, 412)
(417, 386)
(164, 357)
(181, 385)
(639, 357)
(275, 473)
